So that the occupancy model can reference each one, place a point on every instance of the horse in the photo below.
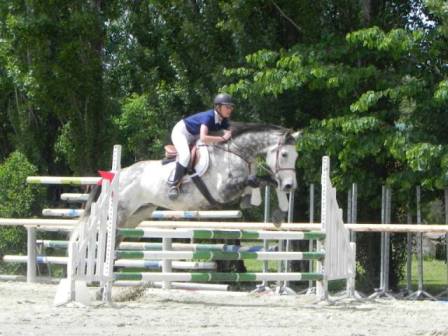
(230, 174)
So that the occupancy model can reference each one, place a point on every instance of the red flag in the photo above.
(105, 175)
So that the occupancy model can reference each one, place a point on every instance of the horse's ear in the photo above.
(296, 135)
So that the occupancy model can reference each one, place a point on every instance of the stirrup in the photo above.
(173, 192)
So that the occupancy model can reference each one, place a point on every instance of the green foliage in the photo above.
(17, 199)
(140, 128)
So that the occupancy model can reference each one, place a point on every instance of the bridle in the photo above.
(280, 144)
(277, 169)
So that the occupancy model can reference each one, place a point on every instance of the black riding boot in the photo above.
(173, 192)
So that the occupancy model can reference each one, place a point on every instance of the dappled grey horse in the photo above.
(229, 174)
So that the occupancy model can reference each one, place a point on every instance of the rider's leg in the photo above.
(180, 138)
(178, 174)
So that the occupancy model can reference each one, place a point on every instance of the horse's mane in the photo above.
(239, 128)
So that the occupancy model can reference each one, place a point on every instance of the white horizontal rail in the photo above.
(181, 265)
(74, 197)
(69, 223)
(155, 215)
(63, 212)
(62, 180)
(39, 259)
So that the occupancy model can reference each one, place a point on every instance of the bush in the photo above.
(17, 200)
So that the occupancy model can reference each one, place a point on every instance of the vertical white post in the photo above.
(267, 218)
(166, 264)
(352, 272)
(112, 226)
(322, 286)
(311, 242)
(31, 251)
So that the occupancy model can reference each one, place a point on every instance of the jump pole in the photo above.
(172, 215)
(74, 197)
(148, 264)
(58, 180)
(68, 224)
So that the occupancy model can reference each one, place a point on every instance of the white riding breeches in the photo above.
(181, 139)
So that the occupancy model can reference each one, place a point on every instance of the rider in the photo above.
(198, 126)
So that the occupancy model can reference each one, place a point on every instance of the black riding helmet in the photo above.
(223, 99)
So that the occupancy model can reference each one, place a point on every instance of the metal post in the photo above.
(420, 293)
(383, 290)
(267, 218)
(446, 235)
(288, 242)
(349, 206)
(264, 286)
(387, 219)
(409, 254)
(383, 208)
(284, 245)
(419, 241)
(354, 210)
(445, 292)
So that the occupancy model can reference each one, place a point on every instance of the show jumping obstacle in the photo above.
(92, 251)
(67, 225)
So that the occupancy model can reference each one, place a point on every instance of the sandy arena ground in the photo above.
(27, 309)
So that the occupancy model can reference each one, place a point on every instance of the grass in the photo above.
(434, 275)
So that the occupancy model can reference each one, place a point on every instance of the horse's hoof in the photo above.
(173, 193)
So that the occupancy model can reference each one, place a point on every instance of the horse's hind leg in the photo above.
(142, 213)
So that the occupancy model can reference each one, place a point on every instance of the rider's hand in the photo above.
(227, 135)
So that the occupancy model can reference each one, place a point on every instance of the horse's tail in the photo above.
(93, 196)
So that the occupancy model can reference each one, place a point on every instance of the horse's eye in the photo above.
(284, 154)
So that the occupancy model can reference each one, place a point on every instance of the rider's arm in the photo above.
(208, 139)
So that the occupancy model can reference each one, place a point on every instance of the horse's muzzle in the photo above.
(288, 187)
(287, 183)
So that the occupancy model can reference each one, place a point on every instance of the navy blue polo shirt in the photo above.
(194, 122)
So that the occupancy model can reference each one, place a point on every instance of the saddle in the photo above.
(199, 160)
(171, 154)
